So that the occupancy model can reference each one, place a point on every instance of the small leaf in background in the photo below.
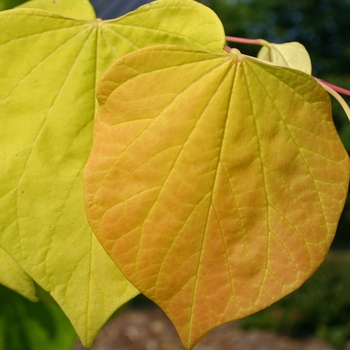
(215, 181)
(33, 326)
(293, 55)
(49, 67)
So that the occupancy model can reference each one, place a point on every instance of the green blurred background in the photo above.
(322, 305)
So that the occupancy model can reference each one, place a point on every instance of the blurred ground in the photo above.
(150, 329)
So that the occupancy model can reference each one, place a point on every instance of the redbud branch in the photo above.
(328, 87)
(335, 87)
(235, 39)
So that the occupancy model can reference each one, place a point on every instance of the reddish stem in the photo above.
(336, 87)
(235, 39)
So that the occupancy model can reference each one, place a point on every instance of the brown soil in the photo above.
(150, 329)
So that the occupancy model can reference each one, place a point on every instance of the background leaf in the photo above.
(293, 55)
(49, 67)
(215, 181)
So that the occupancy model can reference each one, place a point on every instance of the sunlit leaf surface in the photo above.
(49, 66)
(293, 55)
(215, 181)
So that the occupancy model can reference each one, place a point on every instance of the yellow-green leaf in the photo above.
(80, 9)
(49, 66)
(293, 55)
(215, 181)
(13, 277)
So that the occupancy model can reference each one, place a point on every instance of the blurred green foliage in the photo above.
(321, 25)
(320, 307)
(8, 4)
(33, 326)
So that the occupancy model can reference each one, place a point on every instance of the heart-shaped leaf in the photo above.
(215, 181)
(49, 66)
(293, 55)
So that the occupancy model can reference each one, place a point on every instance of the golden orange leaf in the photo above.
(215, 181)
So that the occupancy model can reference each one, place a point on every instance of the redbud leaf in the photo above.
(215, 181)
